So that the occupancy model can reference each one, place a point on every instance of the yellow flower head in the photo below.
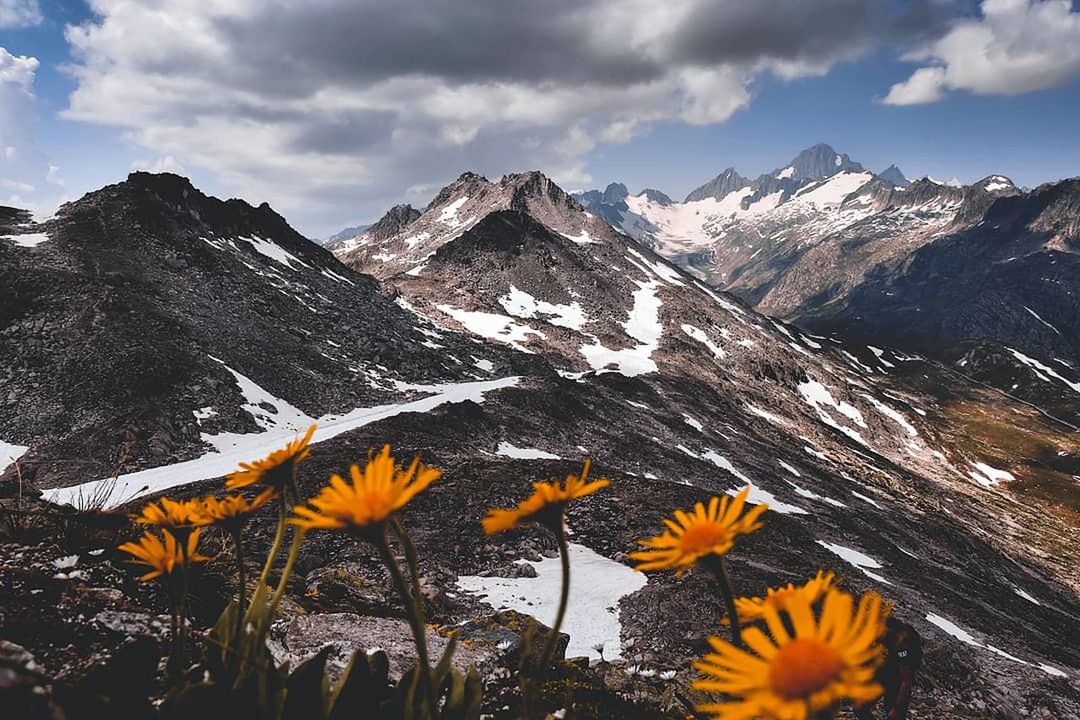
(798, 672)
(382, 488)
(232, 509)
(546, 504)
(276, 469)
(704, 531)
(162, 557)
(751, 609)
(175, 515)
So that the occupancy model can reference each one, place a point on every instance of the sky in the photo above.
(334, 110)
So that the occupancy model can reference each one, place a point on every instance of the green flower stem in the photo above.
(271, 558)
(564, 598)
(294, 551)
(716, 565)
(183, 605)
(241, 580)
(410, 557)
(413, 604)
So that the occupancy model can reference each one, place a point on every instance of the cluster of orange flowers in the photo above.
(807, 647)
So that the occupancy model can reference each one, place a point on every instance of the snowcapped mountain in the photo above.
(509, 332)
(878, 258)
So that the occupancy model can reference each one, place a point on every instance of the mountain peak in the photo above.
(615, 192)
(657, 196)
(720, 186)
(894, 176)
(821, 161)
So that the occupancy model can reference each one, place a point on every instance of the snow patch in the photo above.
(492, 326)
(1044, 372)
(233, 448)
(29, 240)
(511, 451)
(449, 215)
(275, 252)
(643, 325)
(9, 453)
(596, 586)
(699, 335)
(989, 476)
(523, 305)
(858, 559)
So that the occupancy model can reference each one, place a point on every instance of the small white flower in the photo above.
(667, 675)
(503, 645)
(647, 673)
(633, 670)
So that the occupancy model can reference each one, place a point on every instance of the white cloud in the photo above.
(337, 104)
(27, 178)
(1016, 46)
(159, 165)
(19, 13)
(17, 71)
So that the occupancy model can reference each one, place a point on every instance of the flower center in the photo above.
(704, 536)
(803, 667)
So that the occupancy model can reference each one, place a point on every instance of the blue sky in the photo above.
(307, 108)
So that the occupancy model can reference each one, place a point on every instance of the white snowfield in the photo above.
(596, 586)
(230, 449)
(696, 224)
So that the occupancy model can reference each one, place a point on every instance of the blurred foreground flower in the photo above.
(807, 666)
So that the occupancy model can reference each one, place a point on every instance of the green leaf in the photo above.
(361, 690)
(443, 667)
(307, 690)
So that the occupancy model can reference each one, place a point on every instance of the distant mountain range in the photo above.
(966, 273)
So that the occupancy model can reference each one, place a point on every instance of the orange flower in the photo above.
(383, 488)
(692, 536)
(751, 609)
(162, 557)
(232, 510)
(546, 505)
(276, 469)
(808, 665)
(181, 516)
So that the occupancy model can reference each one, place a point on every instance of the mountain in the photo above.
(509, 332)
(148, 322)
(719, 187)
(878, 258)
(345, 234)
(893, 175)
(395, 219)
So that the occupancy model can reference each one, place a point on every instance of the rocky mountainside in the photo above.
(146, 322)
(923, 266)
(512, 334)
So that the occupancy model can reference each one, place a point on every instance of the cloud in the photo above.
(17, 71)
(1015, 47)
(160, 165)
(341, 107)
(27, 179)
(19, 13)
